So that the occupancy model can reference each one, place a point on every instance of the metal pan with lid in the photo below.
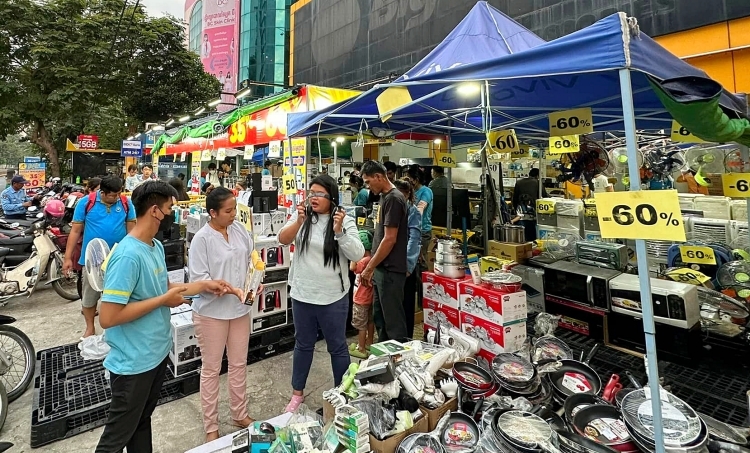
(682, 425)
(525, 431)
(515, 373)
(574, 403)
(504, 281)
(472, 376)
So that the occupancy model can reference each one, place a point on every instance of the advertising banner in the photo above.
(34, 173)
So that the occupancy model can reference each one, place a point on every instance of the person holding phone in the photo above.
(221, 250)
(326, 240)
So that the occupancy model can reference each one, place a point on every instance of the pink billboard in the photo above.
(218, 38)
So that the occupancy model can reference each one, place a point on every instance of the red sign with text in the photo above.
(88, 142)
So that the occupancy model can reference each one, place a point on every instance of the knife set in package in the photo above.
(256, 272)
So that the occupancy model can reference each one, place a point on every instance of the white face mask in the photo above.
(212, 172)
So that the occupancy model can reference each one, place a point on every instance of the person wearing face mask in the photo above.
(212, 177)
(326, 240)
(221, 250)
(135, 314)
(132, 180)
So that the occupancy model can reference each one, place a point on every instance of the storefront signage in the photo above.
(88, 142)
(34, 173)
(564, 144)
(736, 184)
(641, 214)
(571, 122)
(503, 141)
(130, 148)
(681, 134)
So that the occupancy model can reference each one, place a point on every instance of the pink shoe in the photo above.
(294, 403)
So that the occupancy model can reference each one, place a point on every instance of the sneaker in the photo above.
(294, 403)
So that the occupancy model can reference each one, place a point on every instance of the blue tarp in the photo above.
(485, 32)
(580, 69)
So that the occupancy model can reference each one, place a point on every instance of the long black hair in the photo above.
(330, 245)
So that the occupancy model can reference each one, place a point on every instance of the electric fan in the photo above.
(733, 161)
(704, 161)
(618, 164)
(95, 263)
(661, 165)
(735, 276)
(721, 303)
(561, 245)
(583, 165)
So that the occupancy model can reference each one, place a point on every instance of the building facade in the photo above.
(346, 43)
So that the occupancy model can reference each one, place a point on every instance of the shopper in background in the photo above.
(132, 181)
(92, 185)
(423, 200)
(135, 314)
(226, 172)
(439, 180)
(413, 278)
(207, 188)
(361, 194)
(529, 187)
(391, 169)
(147, 173)
(357, 170)
(221, 251)
(601, 184)
(179, 186)
(266, 168)
(325, 239)
(362, 311)
(212, 176)
(14, 199)
(387, 268)
(107, 215)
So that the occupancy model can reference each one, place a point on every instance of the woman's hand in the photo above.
(301, 215)
(338, 220)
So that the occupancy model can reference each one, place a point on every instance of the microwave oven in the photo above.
(588, 286)
(674, 303)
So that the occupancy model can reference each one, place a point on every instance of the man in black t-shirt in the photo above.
(386, 271)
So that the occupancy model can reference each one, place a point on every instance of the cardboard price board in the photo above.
(681, 134)
(289, 184)
(736, 185)
(447, 160)
(503, 141)
(565, 144)
(245, 216)
(697, 254)
(641, 214)
(571, 122)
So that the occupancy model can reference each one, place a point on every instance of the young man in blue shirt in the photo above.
(135, 314)
(14, 199)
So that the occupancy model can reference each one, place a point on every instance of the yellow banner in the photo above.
(645, 214)
(571, 122)
(681, 134)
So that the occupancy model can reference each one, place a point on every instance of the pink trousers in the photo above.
(213, 335)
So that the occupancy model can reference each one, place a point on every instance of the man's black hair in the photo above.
(534, 173)
(373, 167)
(110, 184)
(151, 193)
(439, 170)
(147, 165)
(212, 166)
(390, 166)
(267, 163)
(181, 176)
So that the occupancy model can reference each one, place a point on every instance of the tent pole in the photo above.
(626, 89)
(449, 201)
(745, 155)
(486, 220)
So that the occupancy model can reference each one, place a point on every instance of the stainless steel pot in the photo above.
(448, 246)
(449, 258)
(515, 234)
(457, 271)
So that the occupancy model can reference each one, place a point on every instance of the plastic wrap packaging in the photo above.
(413, 443)
(255, 274)
(389, 391)
(93, 347)
(303, 414)
(522, 404)
(329, 441)
(546, 324)
(382, 416)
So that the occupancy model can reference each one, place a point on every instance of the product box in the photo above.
(272, 300)
(491, 304)
(434, 415)
(431, 257)
(274, 321)
(177, 276)
(390, 444)
(268, 223)
(434, 312)
(442, 290)
(510, 251)
(494, 338)
(193, 223)
(275, 255)
(185, 350)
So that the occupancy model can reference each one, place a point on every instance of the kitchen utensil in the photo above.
(603, 424)
(449, 387)
(515, 234)
(449, 258)
(575, 377)
(461, 434)
(579, 444)
(682, 425)
(455, 271)
(448, 246)
(525, 430)
(576, 402)
(504, 281)
(722, 431)
(549, 416)
(612, 387)
(471, 376)
(550, 347)
(420, 443)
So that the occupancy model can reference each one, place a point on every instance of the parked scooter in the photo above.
(17, 363)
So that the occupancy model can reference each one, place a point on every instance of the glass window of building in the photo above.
(195, 34)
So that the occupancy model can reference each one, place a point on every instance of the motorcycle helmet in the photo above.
(54, 210)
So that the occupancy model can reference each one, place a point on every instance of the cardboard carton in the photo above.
(434, 311)
(510, 251)
(491, 304)
(494, 338)
(442, 290)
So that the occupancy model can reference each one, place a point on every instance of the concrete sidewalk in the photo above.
(51, 321)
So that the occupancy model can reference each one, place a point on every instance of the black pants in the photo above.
(15, 216)
(134, 399)
(388, 305)
(410, 298)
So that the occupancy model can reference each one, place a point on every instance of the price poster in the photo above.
(447, 160)
(645, 214)
(681, 134)
(564, 144)
(571, 122)
(736, 185)
(503, 141)
(695, 254)
(245, 216)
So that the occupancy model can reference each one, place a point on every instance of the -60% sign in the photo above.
(640, 215)
(566, 144)
(681, 134)
(736, 184)
(697, 254)
(503, 141)
(445, 160)
(571, 122)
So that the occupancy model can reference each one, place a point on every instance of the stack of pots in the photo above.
(518, 378)
(449, 262)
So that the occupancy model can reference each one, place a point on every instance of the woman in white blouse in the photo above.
(222, 248)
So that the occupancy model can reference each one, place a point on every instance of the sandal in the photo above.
(357, 354)
(241, 423)
(294, 403)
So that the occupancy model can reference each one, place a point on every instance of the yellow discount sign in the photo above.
(545, 207)
(503, 141)
(445, 160)
(522, 151)
(697, 254)
(681, 134)
(245, 216)
(205, 155)
(289, 184)
(736, 184)
(565, 144)
(571, 122)
(640, 215)
(689, 276)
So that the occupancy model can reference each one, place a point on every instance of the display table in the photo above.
(224, 444)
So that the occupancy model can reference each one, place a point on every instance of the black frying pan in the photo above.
(549, 416)
(577, 443)
(576, 401)
(460, 434)
(472, 376)
(576, 368)
(585, 424)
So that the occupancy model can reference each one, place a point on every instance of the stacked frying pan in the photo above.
(573, 377)
(518, 377)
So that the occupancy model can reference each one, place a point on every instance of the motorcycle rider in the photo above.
(14, 199)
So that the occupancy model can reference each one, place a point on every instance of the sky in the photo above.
(159, 7)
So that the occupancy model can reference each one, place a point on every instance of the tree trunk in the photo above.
(40, 137)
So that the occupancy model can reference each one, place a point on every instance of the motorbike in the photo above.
(15, 377)
(42, 267)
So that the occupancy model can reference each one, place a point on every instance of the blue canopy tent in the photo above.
(627, 79)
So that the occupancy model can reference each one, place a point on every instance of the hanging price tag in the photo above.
(736, 184)
(502, 141)
(205, 155)
(522, 151)
(183, 156)
(680, 134)
(689, 276)
(245, 217)
(221, 154)
(697, 254)
(445, 160)
(289, 184)
(569, 122)
(545, 207)
(361, 221)
(564, 144)
(249, 151)
(643, 214)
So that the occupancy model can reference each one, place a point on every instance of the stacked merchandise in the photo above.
(272, 308)
(440, 301)
(353, 429)
(185, 355)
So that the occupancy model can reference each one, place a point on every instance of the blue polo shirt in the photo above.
(102, 221)
(12, 201)
(424, 193)
(137, 271)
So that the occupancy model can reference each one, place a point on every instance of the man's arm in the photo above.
(8, 204)
(75, 234)
(113, 314)
(385, 247)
